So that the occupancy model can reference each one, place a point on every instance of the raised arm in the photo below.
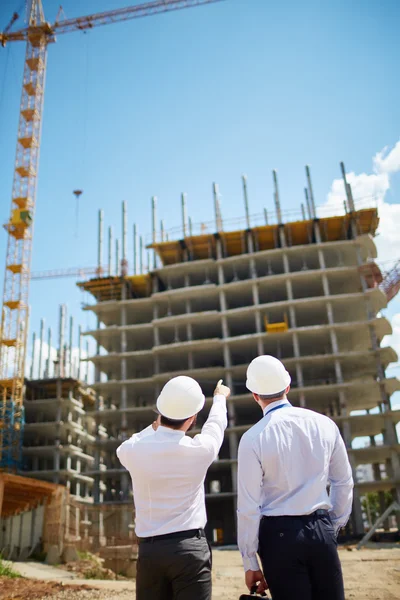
(212, 432)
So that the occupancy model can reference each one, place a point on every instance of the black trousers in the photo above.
(299, 557)
(174, 568)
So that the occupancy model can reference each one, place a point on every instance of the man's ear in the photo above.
(287, 389)
(256, 397)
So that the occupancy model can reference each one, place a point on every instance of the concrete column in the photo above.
(356, 517)
(289, 289)
(325, 285)
(302, 400)
(296, 345)
(221, 279)
(253, 270)
(317, 233)
(299, 375)
(250, 242)
(219, 249)
(32, 533)
(286, 266)
(292, 317)
(321, 259)
(338, 372)
(334, 342)
(329, 311)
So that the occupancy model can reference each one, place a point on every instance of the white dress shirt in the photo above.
(168, 469)
(285, 463)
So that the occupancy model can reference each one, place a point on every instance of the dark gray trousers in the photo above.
(177, 568)
(300, 558)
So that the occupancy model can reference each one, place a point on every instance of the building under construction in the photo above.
(307, 291)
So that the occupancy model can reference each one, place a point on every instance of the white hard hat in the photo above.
(180, 398)
(266, 375)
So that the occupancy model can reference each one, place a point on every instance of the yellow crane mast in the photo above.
(14, 318)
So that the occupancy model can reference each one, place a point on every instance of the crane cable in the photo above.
(84, 134)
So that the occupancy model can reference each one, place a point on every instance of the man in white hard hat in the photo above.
(168, 470)
(285, 514)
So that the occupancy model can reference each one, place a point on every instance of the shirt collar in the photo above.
(171, 432)
(281, 402)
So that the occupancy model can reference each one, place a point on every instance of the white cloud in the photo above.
(388, 162)
(370, 189)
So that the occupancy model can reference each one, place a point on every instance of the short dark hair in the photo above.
(172, 423)
(267, 397)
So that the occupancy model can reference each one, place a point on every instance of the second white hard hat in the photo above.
(266, 375)
(180, 398)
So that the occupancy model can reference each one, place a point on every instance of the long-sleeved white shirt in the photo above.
(285, 463)
(168, 470)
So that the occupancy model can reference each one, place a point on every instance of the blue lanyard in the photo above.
(276, 408)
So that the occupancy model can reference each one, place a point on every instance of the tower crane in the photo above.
(38, 34)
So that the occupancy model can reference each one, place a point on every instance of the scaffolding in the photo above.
(11, 434)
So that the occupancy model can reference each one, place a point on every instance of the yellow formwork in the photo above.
(110, 287)
(266, 237)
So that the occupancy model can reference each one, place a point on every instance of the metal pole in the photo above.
(117, 265)
(190, 227)
(33, 353)
(148, 261)
(141, 254)
(154, 213)
(71, 330)
(87, 363)
(110, 245)
(303, 212)
(347, 189)
(246, 200)
(310, 189)
(100, 245)
(124, 261)
(78, 375)
(266, 216)
(162, 231)
(276, 198)
(217, 208)
(184, 215)
(48, 366)
(134, 250)
(308, 203)
(154, 218)
(61, 341)
(41, 348)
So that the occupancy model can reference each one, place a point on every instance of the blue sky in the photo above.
(171, 103)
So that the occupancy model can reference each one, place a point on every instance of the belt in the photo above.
(175, 535)
(321, 512)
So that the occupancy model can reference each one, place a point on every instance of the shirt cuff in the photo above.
(250, 563)
(219, 398)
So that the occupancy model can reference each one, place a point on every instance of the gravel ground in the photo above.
(370, 574)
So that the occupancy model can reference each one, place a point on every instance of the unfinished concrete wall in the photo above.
(298, 291)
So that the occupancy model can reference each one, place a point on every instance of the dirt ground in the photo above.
(370, 574)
